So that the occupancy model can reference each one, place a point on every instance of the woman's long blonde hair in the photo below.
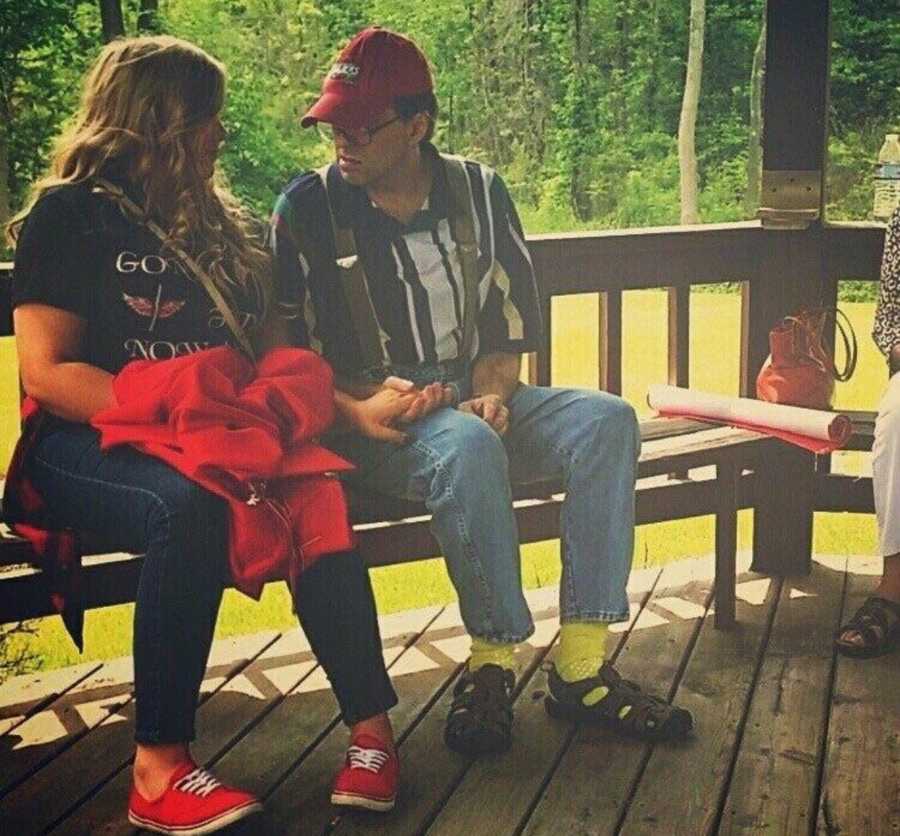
(143, 103)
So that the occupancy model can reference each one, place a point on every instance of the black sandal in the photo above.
(481, 716)
(625, 708)
(878, 623)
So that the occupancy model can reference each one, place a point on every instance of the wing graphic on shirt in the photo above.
(145, 307)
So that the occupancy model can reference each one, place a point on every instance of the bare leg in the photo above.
(890, 581)
(379, 727)
(154, 765)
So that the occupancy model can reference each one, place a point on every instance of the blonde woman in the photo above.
(93, 289)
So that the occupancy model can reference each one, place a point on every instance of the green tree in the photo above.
(46, 46)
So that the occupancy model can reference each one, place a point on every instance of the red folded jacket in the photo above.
(246, 433)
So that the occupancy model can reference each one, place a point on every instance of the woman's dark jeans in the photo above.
(133, 502)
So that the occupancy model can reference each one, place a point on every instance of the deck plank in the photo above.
(861, 786)
(23, 696)
(774, 785)
(596, 775)
(45, 734)
(680, 788)
(97, 756)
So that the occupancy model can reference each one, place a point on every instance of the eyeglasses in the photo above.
(354, 136)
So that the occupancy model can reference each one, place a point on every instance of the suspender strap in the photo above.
(462, 229)
(356, 289)
(137, 214)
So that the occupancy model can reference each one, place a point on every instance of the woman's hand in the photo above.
(374, 416)
(427, 400)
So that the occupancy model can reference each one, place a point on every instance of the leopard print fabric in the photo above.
(886, 332)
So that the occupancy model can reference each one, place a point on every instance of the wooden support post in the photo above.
(727, 483)
(792, 270)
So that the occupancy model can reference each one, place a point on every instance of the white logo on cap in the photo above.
(343, 71)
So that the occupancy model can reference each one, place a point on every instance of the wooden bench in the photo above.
(392, 532)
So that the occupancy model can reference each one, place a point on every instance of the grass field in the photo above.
(715, 357)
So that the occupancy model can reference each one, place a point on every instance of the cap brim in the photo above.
(344, 111)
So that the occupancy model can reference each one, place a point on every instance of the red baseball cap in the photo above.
(375, 68)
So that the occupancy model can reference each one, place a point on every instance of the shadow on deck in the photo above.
(788, 740)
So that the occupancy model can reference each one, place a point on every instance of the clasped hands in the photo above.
(400, 402)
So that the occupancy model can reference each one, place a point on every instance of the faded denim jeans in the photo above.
(461, 469)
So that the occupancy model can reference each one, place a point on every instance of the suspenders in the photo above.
(355, 284)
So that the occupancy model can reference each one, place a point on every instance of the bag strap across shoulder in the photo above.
(137, 214)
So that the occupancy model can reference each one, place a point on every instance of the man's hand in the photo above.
(427, 400)
(374, 417)
(490, 409)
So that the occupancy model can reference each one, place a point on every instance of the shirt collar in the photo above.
(352, 206)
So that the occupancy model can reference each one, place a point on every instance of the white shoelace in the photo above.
(371, 759)
(199, 782)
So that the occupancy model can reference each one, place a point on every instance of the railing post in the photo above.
(679, 343)
(610, 374)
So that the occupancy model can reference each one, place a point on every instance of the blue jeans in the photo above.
(461, 469)
(133, 502)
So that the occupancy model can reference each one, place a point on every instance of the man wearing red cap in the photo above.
(408, 271)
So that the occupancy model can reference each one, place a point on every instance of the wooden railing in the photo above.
(677, 258)
(609, 263)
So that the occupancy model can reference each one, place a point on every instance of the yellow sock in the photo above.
(491, 653)
(582, 649)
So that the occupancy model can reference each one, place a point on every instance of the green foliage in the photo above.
(575, 101)
(47, 45)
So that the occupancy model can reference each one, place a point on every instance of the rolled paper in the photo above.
(794, 423)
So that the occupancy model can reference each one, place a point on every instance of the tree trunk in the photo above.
(111, 19)
(754, 148)
(687, 153)
(4, 181)
(147, 16)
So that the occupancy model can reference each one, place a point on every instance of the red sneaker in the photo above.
(194, 803)
(369, 776)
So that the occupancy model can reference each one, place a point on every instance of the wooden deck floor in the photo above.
(789, 740)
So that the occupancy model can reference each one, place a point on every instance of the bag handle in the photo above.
(848, 336)
(821, 357)
(118, 195)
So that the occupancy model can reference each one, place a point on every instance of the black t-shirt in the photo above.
(77, 251)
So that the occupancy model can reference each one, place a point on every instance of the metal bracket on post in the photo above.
(790, 199)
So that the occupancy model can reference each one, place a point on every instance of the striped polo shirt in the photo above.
(413, 271)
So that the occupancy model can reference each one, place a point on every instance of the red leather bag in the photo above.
(800, 370)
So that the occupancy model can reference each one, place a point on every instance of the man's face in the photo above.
(366, 155)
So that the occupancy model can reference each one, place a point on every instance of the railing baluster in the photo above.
(610, 376)
(679, 304)
(679, 335)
